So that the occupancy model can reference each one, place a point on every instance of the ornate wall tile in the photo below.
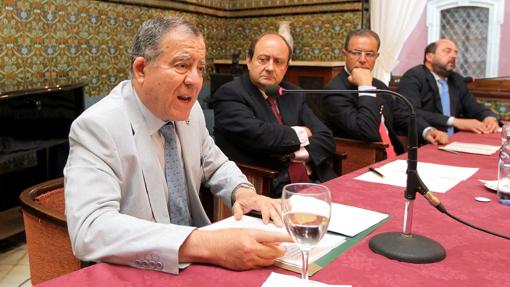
(48, 42)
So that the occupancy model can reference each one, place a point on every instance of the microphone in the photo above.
(274, 91)
(469, 80)
(402, 246)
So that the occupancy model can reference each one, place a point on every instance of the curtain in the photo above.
(393, 20)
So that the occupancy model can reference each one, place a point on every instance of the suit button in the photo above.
(159, 266)
(144, 264)
(152, 264)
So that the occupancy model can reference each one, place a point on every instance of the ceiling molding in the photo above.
(318, 6)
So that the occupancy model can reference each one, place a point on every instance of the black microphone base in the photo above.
(407, 248)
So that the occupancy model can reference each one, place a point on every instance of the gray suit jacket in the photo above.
(115, 189)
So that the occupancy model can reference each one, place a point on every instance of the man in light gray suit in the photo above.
(116, 191)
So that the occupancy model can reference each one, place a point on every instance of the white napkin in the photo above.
(278, 280)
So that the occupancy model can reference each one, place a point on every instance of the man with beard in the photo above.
(441, 96)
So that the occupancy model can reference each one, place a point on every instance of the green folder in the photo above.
(320, 263)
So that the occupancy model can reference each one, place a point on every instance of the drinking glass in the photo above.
(505, 133)
(306, 209)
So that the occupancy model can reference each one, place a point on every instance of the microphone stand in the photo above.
(402, 246)
(406, 246)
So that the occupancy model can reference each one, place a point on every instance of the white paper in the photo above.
(307, 204)
(490, 184)
(350, 220)
(293, 255)
(437, 177)
(475, 148)
(279, 280)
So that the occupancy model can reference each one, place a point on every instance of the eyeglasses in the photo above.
(358, 54)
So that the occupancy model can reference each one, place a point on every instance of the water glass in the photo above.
(505, 133)
(306, 209)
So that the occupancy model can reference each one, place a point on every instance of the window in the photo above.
(474, 26)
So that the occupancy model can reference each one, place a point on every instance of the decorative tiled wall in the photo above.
(500, 107)
(48, 42)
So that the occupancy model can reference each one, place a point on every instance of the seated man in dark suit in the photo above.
(441, 96)
(277, 133)
(366, 116)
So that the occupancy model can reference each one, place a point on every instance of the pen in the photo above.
(376, 172)
(444, 149)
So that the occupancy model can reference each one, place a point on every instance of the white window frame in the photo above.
(496, 16)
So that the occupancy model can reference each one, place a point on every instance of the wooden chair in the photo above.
(262, 179)
(359, 153)
(49, 248)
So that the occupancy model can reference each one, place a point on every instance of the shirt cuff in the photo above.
(366, 88)
(301, 155)
(302, 135)
(426, 131)
(449, 122)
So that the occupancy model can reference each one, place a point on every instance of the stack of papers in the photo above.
(350, 220)
(345, 220)
(292, 257)
(437, 177)
(482, 149)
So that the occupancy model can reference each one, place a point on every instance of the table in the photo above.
(473, 258)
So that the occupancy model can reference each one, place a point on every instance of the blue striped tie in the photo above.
(445, 102)
(174, 172)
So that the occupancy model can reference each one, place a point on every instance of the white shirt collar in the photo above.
(437, 77)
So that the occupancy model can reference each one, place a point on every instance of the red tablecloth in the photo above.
(473, 258)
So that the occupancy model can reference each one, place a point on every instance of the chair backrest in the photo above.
(261, 178)
(49, 248)
(218, 79)
(359, 153)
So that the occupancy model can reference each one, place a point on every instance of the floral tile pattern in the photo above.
(49, 42)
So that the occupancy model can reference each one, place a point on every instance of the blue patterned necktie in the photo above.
(445, 101)
(174, 172)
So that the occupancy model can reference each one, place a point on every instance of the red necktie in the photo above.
(390, 152)
(297, 171)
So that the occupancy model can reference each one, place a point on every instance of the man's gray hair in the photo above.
(147, 40)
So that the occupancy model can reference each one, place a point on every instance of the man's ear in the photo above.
(248, 62)
(139, 69)
(428, 57)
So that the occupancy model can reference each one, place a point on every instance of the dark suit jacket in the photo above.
(420, 87)
(247, 131)
(359, 117)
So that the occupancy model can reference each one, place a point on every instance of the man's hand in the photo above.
(360, 77)
(491, 124)
(246, 200)
(233, 248)
(471, 125)
(436, 137)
